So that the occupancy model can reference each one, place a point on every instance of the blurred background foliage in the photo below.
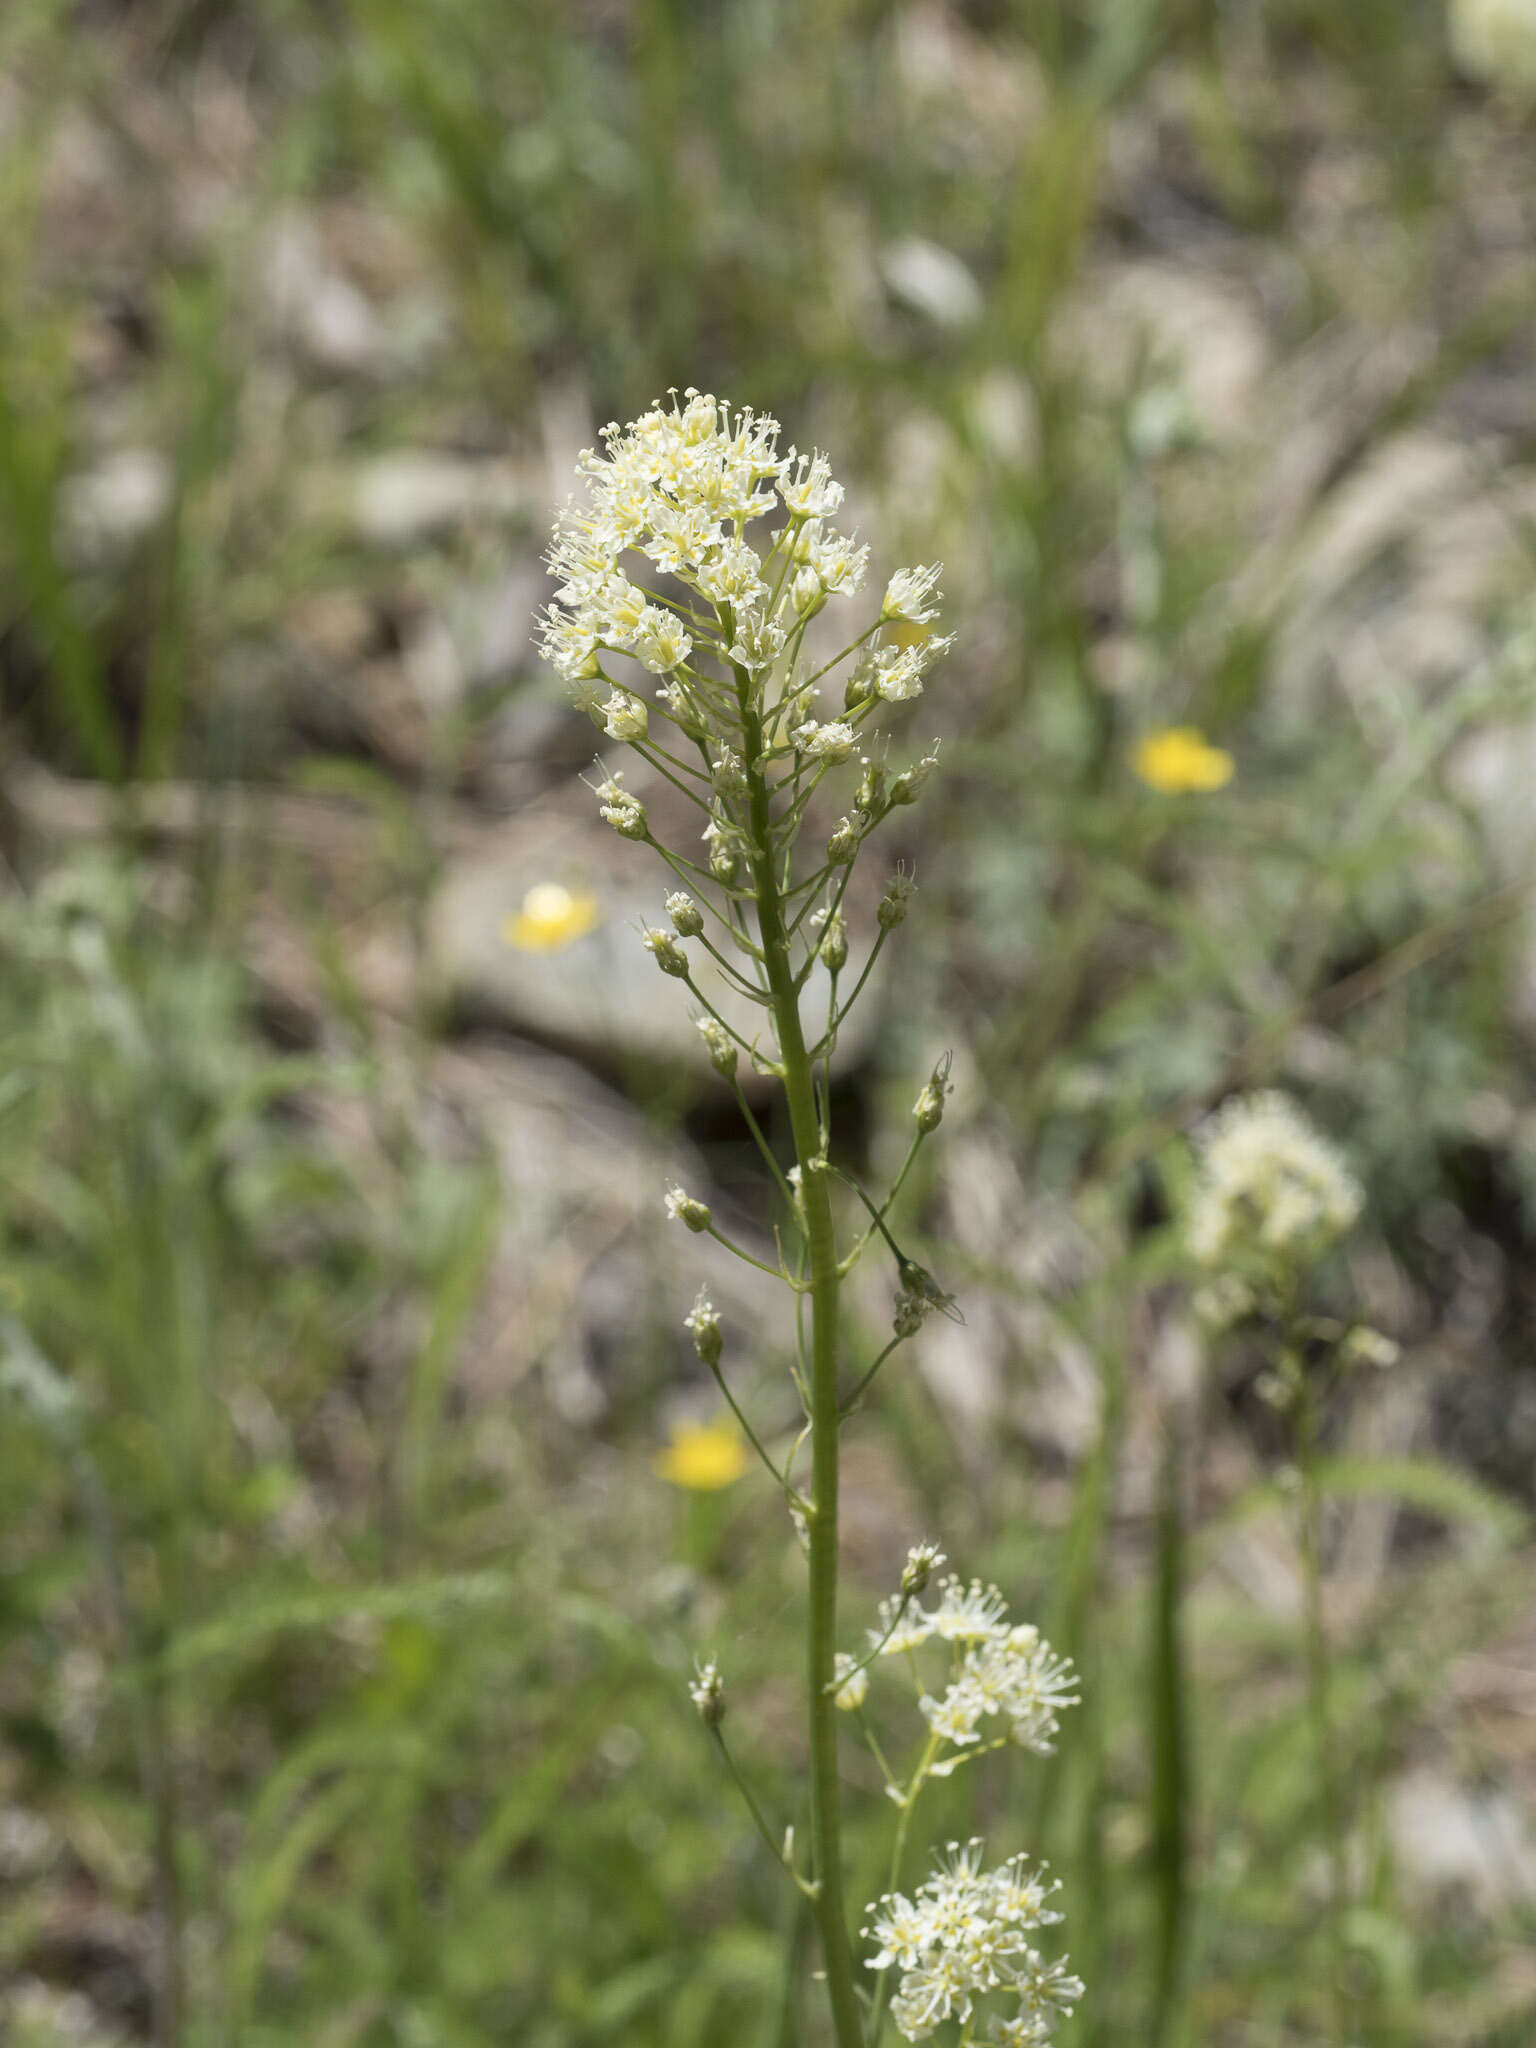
(344, 1623)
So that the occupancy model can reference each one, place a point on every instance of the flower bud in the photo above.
(892, 907)
(621, 809)
(910, 1314)
(705, 1326)
(708, 1694)
(859, 688)
(682, 1208)
(834, 943)
(870, 794)
(807, 593)
(843, 844)
(667, 953)
(728, 777)
(923, 1560)
(687, 918)
(928, 1110)
(680, 710)
(908, 786)
(722, 1050)
(724, 856)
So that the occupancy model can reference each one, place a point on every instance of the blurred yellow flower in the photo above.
(1178, 758)
(703, 1456)
(551, 918)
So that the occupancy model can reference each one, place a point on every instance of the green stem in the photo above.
(821, 1520)
(1319, 1710)
(898, 1851)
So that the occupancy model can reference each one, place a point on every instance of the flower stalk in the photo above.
(825, 1283)
(681, 488)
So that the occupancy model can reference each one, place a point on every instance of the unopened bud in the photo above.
(722, 1049)
(687, 918)
(892, 907)
(667, 953)
(705, 1326)
(724, 858)
(870, 794)
(859, 688)
(834, 943)
(908, 786)
(843, 844)
(928, 1110)
(708, 1694)
(683, 1208)
(808, 592)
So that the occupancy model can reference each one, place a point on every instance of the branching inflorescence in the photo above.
(686, 643)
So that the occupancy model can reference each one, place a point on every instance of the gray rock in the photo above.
(602, 995)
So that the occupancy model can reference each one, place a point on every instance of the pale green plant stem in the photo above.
(821, 1514)
(898, 1851)
(773, 1272)
(1319, 1689)
(751, 1434)
(858, 986)
(748, 989)
(777, 1848)
(884, 1209)
(649, 754)
(761, 1142)
(862, 1388)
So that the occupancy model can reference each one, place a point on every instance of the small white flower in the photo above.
(851, 1693)
(687, 918)
(1268, 1183)
(806, 486)
(969, 1613)
(833, 742)
(908, 593)
(621, 808)
(684, 1208)
(661, 642)
(923, 1560)
(707, 1692)
(703, 1324)
(625, 717)
(757, 641)
(965, 1937)
(908, 1632)
(955, 1717)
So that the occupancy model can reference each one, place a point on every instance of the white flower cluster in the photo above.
(678, 486)
(1005, 1669)
(1268, 1183)
(965, 1935)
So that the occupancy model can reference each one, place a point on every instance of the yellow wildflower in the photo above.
(1178, 758)
(551, 918)
(703, 1456)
